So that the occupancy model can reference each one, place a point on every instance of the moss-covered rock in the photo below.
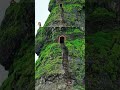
(73, 14)
(67, 21)
(50, 59)
(102, 54)
(102, 45)
(17, 46)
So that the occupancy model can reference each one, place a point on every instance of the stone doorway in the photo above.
(60, 5)
(62, 39)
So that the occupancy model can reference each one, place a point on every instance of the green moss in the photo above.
(103, 48)
(50, 57)
(77, 63)
(68, 8)
(17, 42)
(41, 34)
(49, 61)
(7, 84)
(21, 71)
(53, 3)
(76, 48)
(54, 15)
(101, 14)
(74, 31)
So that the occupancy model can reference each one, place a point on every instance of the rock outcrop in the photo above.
(73, 13)
(102, 45)
(17, 46)
(56, 69)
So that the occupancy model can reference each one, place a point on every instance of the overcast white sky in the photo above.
(41, 14)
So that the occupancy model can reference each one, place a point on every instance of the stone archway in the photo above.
(62, 39)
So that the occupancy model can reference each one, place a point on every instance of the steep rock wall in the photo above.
(74, 13)
(17, 46)
(68, 21)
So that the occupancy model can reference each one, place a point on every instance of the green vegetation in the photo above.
(53, 3)
(49, 61)
(77, 62)
(102, 46)
(17, 46)
(50, 58)
(107, 51)
(70, 11)
(102, 14)
(103, 49)
(21, 72)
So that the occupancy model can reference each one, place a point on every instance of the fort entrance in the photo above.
(62, 39)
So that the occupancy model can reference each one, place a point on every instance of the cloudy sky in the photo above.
(41, 14)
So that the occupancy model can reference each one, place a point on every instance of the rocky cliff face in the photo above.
(72, 12)
(102, 15)
(102, 45)
(49, 69)
(49, 64)
(17, 46)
